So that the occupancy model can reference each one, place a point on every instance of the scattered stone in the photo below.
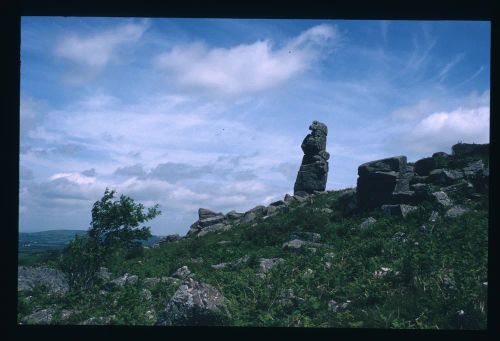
(126, 279)
(146, 295)
(30, 277)
(66, 314)
(222, 242)
(170, 280)
(101, 320)
(448, 283)
(326, 211)
(313, 172)
(382, 272)
(434, 216)
(398, 210)
(334, 307)
(298, 245)
(240, 262)
(195, 304)
(456, 211)
(151, 282)
(182, 273)
(308, 273)
(266, 264)
(287, 298)
(370, 221)
(42, 316)
(198, 260)
(399, 237)
(104, 274)
(329, 255)
(442, 199)
(308, 236)
(150, 315)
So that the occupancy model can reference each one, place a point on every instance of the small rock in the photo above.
(150, 282)
(43, 316)
(370, 221)
(222, 242)
(150, 315)
(326, 210)
(289, 198)
(146, 295)
(456, 211)
(434, 216)
(442, 199)
(309, 236)
(195, 303)
(104, 274)
(182, 273)
(308, 273)
(126, 279)
(448, 283)
(266, 264)
(334, 307)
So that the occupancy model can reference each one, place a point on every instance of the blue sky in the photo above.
(211, 113)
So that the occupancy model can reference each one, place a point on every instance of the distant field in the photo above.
(43, 246)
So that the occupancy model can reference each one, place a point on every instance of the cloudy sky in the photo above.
(211, 113)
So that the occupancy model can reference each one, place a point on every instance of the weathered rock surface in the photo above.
(368, 222)
(313, 172)
(240, 262)
(42, 316)
(442, 199)
(208, 221)
(195, 304)
(308, 236)
(182, 273)
(347, 202)
(266, 264)
(470, 149)
(299, 245)
(379, 181)
(29, 277)
(126, 279)
(456, 211)
(398, 210)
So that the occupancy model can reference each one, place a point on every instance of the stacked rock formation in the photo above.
(313, 170)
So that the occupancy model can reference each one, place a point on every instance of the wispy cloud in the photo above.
(93, 52)
(477, 73)
(246, 67)
(446, 69)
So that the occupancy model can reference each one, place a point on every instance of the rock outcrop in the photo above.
(195, 304)
(30, 277)
(395, 184)
(385, 181)
(313, 172)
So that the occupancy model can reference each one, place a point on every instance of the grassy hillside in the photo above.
(436, 272)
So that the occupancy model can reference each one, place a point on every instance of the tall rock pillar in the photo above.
(313, 171)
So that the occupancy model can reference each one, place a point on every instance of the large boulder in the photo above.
(385, 181)
(424, 166)
(347, 202)
(313, 172)
(195, 304)
(53, 280)
(208, 221)
(471, 149)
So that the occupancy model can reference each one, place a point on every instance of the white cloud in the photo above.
(98, 50)
(422, 107)
(246, 67)
(444, 129)
(77, 178)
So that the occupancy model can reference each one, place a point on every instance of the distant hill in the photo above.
(57, 239)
